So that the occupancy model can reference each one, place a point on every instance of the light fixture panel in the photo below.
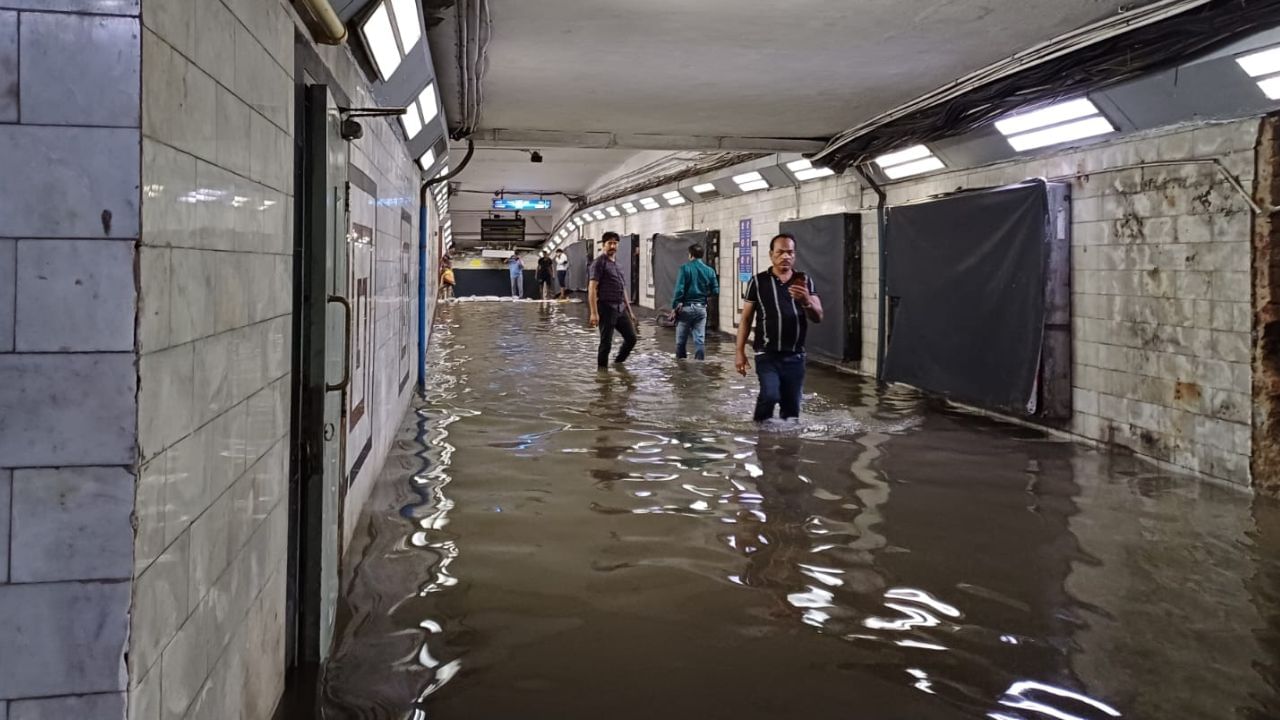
(599, 215)
(1271, 86)
(649, 204)
(380, 39)
(1262, 63)
(613, 212)
(915, 152)
(411, 121)
(1058, 134)
(406, 12)
(1044, 117)
(427, 159)
(748, 177)
(704, 188)
(915, 167)
(427, 103)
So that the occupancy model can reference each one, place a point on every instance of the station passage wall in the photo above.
(978, 292)
(487, 282)
(829, 250)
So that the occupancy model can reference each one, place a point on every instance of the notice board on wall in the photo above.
(979, 290)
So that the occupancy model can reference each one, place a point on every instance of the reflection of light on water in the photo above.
(916, 618)
(922, 680)
(920, 645)
(813, 597)
(923, 598)
(1015, 697)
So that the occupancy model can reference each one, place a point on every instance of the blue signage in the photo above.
(519, 204)
(746, 256)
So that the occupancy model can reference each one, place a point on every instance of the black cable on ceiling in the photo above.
(1109, 62)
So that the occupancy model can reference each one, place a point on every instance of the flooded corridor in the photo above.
(548, 541)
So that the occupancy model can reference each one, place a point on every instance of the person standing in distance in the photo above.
(608, 304)
(516, 266)
(782, 303)
(544, 276)
(696, 285)
(562, 273)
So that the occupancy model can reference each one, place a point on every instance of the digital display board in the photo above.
(521, 204)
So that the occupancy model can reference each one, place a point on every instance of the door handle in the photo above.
(346, 346)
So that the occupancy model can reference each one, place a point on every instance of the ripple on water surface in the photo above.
(552, 542)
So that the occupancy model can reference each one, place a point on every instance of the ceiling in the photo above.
(678, 74)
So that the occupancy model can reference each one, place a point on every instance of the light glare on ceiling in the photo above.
(1263, 62)
(915, 167)
(1052, 115)
(382, 42)
(407, 21)
(1080, 129)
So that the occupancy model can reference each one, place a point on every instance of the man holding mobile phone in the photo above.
(781, 302)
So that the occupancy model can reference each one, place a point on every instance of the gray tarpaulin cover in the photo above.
(669, 253)
(576, 277)
(827, 250)
(968, 276)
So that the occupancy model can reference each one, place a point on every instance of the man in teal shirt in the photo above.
(696, 285)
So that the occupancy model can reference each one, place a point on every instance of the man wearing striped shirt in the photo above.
(779, 304)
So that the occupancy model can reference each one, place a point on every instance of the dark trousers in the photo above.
(613, 316)
(781, 383)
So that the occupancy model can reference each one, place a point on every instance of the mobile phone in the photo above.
(799, 278)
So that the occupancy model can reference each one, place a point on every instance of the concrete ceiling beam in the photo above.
(506, 137)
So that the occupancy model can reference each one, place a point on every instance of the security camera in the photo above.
(352, 130)
(535, 156)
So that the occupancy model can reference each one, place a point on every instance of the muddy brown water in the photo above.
(551, 542)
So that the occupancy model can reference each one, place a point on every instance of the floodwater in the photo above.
(552, 542)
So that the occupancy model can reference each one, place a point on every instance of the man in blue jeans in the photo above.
(515, 266)
(782, 302)
(696, 285)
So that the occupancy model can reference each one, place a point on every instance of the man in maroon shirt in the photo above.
(608, 304)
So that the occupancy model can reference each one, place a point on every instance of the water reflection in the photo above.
(550, 541)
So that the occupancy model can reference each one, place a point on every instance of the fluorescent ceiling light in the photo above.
(411, 121)
(915, 167)
(382, 43)
(407, 22)
(751, 181)
(674, 197)
(649, 204)
(1089, 127)
(704, 188)
(427, 103)
(427, 159)
(804, 170)
(578, 221)
(1265, 62)
(915, 152)
(613, 211)
(599, 215)
(1052, 115)
(798, 165)
(1271, 86)
(630, 208)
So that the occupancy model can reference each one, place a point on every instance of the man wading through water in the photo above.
(607, 301)
(783, 303)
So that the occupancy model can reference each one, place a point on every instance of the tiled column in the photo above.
(69, 224)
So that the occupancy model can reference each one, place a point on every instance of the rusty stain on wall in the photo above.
(1265, 464)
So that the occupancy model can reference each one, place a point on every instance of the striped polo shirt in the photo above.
(781, 324)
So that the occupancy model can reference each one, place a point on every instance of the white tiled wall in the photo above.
(215, 265)
(1160, 281)
(69, 203)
